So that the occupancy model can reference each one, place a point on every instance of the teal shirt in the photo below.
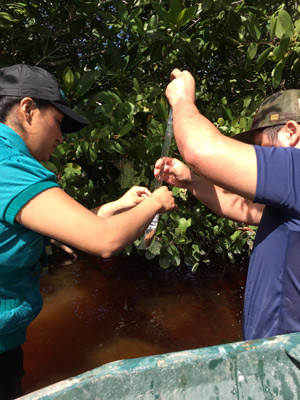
(21, 178)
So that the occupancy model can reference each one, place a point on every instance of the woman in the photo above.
(33, 114)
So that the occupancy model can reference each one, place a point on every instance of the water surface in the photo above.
(97, 311)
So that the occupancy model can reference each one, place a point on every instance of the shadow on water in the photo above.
(97, 311)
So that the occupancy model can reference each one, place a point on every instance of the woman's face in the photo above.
(44, 132)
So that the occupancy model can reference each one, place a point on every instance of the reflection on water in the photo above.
(98, 311)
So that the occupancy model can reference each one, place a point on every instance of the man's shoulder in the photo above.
(277, 153)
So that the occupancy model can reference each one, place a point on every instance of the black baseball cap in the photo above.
(23, 80)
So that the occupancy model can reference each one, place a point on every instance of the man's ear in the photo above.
(292, 132)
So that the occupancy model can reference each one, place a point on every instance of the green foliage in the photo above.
(113, 59)
(193, 234)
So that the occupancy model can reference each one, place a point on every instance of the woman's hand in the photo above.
(165, 197)
(133, 197)
(130, 199)
(173, 172)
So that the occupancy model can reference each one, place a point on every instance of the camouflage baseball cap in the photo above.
(277, 109)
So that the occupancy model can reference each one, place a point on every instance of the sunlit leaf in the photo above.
(231, 257)
(174, 11)
(86, 82)
(164, 261)
(284, 24)
(136, 85)
(125, 129)
(8, 17)
(277, 74)
(93, 152)
(235, 235)
(262, 58)
(273, 26)
(50, 166)
(138, 25)
(161, 12)
(279, 51)
(252, 50)
(253, 26)
(68, 78)
(84, 146)
(62, 149)
(111, 146)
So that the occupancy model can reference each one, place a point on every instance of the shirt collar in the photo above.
(10, 138)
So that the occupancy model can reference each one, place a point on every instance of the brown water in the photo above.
(98, 311)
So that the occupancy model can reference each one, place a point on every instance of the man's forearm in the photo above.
(194, 131)
(224, 203)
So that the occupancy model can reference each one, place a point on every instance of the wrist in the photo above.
(108, 209)
(182, 103)
(192, 183)
(156, 203)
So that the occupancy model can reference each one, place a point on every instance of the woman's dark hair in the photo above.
(8, 102)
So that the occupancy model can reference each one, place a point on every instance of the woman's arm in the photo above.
(55, 214)
(131, 198)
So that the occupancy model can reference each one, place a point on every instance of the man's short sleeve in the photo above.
(22, 178)
(278, 182)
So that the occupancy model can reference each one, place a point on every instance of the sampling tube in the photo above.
(150, 231)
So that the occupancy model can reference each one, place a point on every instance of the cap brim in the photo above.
(72, 121)
(245, 137)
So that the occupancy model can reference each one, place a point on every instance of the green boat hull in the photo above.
(252, 370)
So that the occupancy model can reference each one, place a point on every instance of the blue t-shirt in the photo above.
(272, 296)
(21, 178)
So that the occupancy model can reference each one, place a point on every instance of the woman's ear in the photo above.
(292, 133)
(26, 108)
(20, 117)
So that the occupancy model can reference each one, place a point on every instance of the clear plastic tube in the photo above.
(150, 231)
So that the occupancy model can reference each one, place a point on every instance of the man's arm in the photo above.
(223, 161)
(217, 199)
(224, 203)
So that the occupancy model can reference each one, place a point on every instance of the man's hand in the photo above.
(181, 88)
(173, 172)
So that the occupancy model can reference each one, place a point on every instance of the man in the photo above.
(256, 184)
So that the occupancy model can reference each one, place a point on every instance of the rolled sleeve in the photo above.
(277, 183)
(22, 178)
